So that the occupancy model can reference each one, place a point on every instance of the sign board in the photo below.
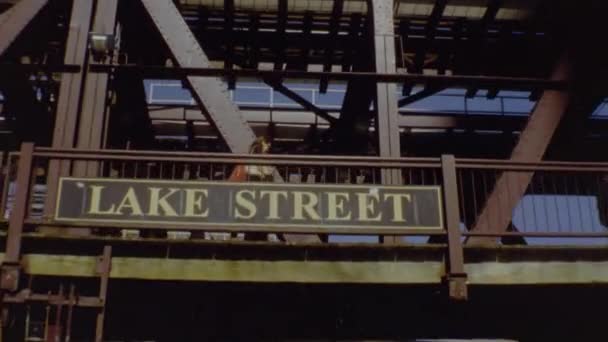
(248, 206)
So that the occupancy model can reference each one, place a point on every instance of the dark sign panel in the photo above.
(263, 206)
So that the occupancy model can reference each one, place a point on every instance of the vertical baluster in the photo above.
(578, 195)
(557, 216)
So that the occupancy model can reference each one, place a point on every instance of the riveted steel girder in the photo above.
(16, 19)
(534, 140)
(210, 93)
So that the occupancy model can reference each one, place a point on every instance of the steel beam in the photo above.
(456, 276)
(430, 32)
(209, 93)
(354, 32)
(104, 267)
(281, 88)
(229, 29)
(448, 81)
(334, 27)
(386, 99)
(424, 93)
(70, 95)
(17, 217)
(533, 142)
(478, 43)
(16, 19)
(387, 112)
(303, 59)
(135, 132)
(282, 39)
(94, 108)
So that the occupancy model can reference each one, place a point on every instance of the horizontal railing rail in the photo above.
(179, 166)
(498, 199)
(545, 203)
(4, 178)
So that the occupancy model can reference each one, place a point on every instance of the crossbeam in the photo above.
(533, 142)
(209, 93)
(94, 107)
(281, 88)
(424, 93)
(449, 81)
(16, 19)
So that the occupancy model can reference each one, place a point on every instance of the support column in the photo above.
(92, 123)
(387, 112)
(104, 267)
(16, 19)
(70, 95)
(209, 93)
(533, 142)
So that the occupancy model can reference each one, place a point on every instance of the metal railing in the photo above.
(4, 176)
(218, 167)
(537, 203)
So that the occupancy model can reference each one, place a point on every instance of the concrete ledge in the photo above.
(541, 272)
(361, 272)
(240, 270)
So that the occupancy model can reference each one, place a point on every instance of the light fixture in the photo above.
(101, 44)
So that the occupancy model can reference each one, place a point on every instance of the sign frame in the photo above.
(257, 227)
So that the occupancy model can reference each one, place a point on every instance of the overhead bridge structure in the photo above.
(188, 170)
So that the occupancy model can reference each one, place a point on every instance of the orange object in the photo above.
(239, 174)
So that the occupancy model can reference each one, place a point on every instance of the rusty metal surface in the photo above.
(209, 93)
(26, 295)
(456, 275)
(94, 115)
(5, 179)
(453, 81)
(105, 266)
(386, 99)
(281, 88)
(70, 92)
(16, 19)
(532, 144)
(18, 214)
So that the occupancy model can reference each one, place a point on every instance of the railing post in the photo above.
(10, 265)
(455, 275)
(10, 268)
(104, 268)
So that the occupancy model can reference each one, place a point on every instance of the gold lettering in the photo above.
(273, 202)
(304, 201)
(96, 202)
(367, 206)
(246, 204)
(156, 202)
(194, 203)
(130, 201)
(397, 200)
(335, 206)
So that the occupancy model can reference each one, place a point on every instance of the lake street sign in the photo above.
(249, 206)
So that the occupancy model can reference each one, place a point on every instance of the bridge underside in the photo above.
(158, 259)
(360, 313)
(191, 290)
